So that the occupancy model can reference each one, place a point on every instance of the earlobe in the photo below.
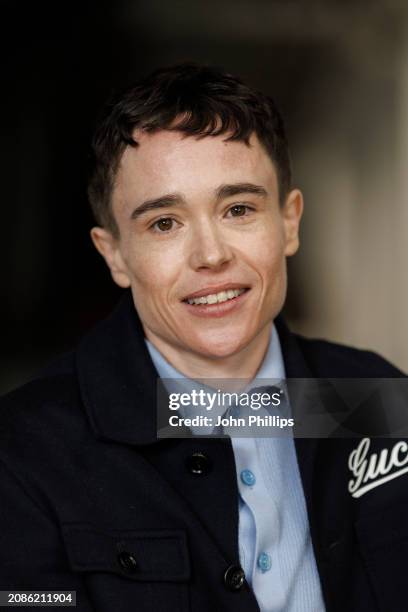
(109, 248)
(292, 213)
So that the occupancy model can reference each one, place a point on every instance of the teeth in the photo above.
(214, 298)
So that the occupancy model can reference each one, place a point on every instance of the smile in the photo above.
(217, 304)
(216, 298)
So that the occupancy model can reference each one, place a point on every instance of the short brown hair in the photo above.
(197, 100)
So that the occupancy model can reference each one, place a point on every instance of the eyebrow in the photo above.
(172, 199)
(226, 191)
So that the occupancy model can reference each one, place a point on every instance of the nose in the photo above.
(208, 247)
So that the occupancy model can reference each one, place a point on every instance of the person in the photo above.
(196, 214)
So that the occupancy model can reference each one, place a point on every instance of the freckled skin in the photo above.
(205, 245)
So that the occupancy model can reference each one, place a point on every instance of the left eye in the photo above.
(164, 224)
(239, 210)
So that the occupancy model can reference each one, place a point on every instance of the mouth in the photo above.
(216, 298)
(215, 303)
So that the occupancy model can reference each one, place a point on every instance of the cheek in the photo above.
(267, 256)
(152, 271)
(274, 281)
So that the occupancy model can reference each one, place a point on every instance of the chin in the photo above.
(222, 348)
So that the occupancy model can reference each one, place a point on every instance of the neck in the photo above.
(241, 365)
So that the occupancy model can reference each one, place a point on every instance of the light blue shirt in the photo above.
(274, 540)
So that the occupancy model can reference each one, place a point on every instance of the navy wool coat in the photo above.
(91, 501)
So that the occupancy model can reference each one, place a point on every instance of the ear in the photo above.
(291, 213)
(109, 248)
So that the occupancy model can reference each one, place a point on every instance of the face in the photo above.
(203, 240)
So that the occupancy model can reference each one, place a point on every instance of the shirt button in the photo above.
(234, 578)
(198, 464)
(248, 478)
(127, 562)
(264, 562)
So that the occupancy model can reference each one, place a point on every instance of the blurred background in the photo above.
(339, 73)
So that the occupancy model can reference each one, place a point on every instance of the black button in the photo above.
(127, 562)
(234, 578)
(198, 464)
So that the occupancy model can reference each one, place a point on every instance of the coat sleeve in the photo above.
(32, 553)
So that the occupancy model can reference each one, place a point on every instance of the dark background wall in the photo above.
(339, 74)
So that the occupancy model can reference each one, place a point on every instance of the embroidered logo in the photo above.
(373, 470)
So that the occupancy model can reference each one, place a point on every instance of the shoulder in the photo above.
(329, 359)
(45, 411)
(57, 381)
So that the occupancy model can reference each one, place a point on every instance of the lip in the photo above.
(219, 309)
(215, 289)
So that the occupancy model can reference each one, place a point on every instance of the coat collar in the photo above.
(118, 380)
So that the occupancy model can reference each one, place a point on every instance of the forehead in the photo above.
(169, 161)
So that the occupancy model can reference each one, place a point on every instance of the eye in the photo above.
(239, 210)
(164, 224)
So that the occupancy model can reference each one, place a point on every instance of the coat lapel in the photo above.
(306, 448)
